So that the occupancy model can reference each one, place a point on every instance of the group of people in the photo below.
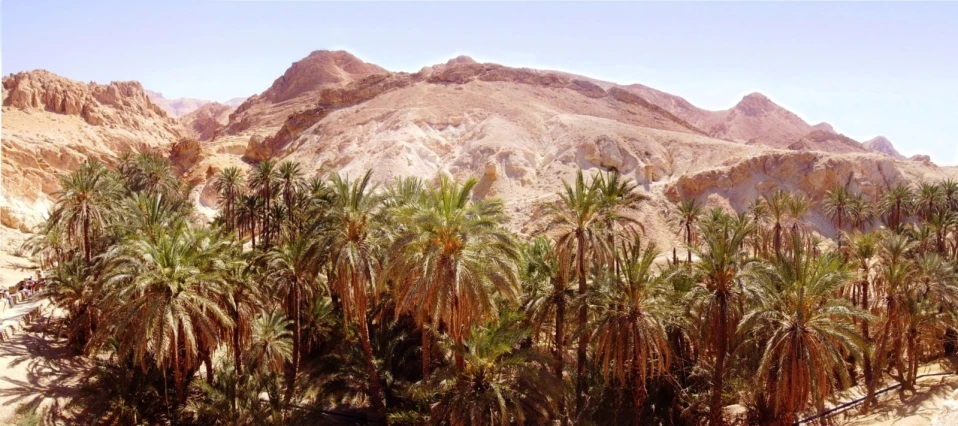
(27, 287)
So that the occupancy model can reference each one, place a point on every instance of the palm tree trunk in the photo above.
(777, 243)
(560, 341)
(688, 240)
(640, 393)
(718, 375)
(86, 239)
(426, 350)
(293, 311)
(237, 352)
(583, 318)
(375, 389)
(178, 374)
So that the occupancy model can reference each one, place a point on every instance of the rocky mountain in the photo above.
(520, 131)
(235, 102)
(175, 107)
(52, 124)
(207, 121)
(523, 131)
(297, 88)
(825, 127)
(882, 145)
(755, 119)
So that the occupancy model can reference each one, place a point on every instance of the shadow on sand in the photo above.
(39, 370)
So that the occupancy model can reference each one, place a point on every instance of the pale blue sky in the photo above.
(866, 68)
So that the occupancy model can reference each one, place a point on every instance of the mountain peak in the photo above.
(755, 104)
(461, 59)
(883, 145)
(825, 127)
(319, 69)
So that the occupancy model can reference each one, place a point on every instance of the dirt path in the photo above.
(38, 373)
(934, 403)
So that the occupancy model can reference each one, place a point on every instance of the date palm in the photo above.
(687, 213)
(290, 177)
(804, 331)
(721, 293)
(160, 300)
(837, 206)
(577, 220)
(631, 342)
(247, 214)
(461, 259)
(777, 206)
(500, 382)
(292, 268)
(85, 204)
(263, 181)
(228, 185)
(862, 212)
(353, 264)
(896, 204)
(929, 198)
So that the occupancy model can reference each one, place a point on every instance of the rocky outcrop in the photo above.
(883, 145)
(207, 121)
(825, 141)
(825, 127)
(52, 124)
(921, 158)
(185, 154)
(123, 103)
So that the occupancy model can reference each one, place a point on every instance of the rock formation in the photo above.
(52, 124)
(883, 145)
(207, 121)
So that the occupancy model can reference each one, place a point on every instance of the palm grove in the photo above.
(328, 298)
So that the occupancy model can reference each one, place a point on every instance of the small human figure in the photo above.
(6, 295)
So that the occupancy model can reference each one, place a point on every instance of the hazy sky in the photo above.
(866, 68)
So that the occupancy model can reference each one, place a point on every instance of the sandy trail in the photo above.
(38, 370)
(935, 403)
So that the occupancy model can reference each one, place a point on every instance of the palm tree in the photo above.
(837, 206)
(160, 300)
(229, 184)
(777, 206)
(577, 220)
(862, 212)
(798, 206)
(499, 382)
(802, 329)
(688, 212)
(85, 204)
(263, 182)
(545, 295)
(290, 178)
(271, 343)
(292, 268)
(929, 198)
(246, 215)
(720, 296)
(895, 205)
(352, 272)
(631, 342)
(459, 257)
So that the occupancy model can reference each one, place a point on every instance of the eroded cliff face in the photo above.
(52, 124)
(207, 121)
(738, 181)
